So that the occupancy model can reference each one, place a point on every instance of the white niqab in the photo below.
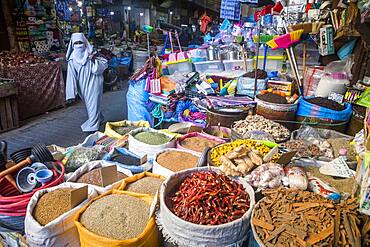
(79, 53)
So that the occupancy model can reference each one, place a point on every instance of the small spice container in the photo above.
(196, 142)
(147, 238)
(93, 166)
(60, 231)
(149, 184)
(172, 160)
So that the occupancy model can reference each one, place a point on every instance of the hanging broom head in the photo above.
(286, 40)
(264, 38)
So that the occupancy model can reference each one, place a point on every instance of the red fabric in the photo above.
(41, 87)
(204, 23)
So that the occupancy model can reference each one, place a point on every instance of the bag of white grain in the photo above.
(188, 220)
(97, 173)
(148, 141)
(117, 218)
(49, 218)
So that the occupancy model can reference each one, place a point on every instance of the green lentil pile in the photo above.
(145, 185)
(52, 205)
(116, 216)
(152, 138)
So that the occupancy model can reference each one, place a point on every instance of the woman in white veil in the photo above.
(85, 78)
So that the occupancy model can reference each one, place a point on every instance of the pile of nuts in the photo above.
(303, 148)
(257, 122)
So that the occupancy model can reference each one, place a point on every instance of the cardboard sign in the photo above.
(78, 195)
(271, 154)
(286, 158)
(337, 168)
(108, 175)
(154, 204)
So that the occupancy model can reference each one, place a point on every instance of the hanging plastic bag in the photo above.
(136, 99)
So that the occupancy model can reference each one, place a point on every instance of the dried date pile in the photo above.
(208, 198)
(287, 217)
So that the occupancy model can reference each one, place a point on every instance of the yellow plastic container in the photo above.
(137, 177)
(148, 238)
(109, 127)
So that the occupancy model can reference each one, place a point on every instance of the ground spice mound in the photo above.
(152, 138)
(198, 143)
(94, 177)
(116, 216)
(52, 205)
(272, 98)
(327, 103)
(177, 161)
(145, 185)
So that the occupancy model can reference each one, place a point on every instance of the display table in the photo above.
(41, 87)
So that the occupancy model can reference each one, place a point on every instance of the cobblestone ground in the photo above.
(62, 127)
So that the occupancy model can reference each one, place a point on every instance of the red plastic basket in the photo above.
(12, 203)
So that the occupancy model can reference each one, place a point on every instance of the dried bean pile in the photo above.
(208, 198)
(288, 217)
(116, 216)
(304, 149)
(52, 205)
(257, 122)
(327, 103)
(145, 185)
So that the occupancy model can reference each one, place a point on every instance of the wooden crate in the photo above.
(8, 106)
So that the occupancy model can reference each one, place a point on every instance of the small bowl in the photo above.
(44, 176)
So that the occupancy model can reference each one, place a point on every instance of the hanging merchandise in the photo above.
(230, 9)
(204, 22)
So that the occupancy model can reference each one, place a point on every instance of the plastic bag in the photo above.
(78, 156)
(136, 99)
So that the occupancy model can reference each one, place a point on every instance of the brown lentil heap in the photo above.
(52, 205)
(94, 177)
(145, 185)
(198, 143)
(116, 216)
(177, 161)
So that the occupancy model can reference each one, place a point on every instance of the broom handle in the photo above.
(15, 168)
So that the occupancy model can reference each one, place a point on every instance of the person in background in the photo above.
(85, 78)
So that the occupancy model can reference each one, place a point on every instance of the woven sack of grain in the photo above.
(183, 233)
(148, 238)
(95, 165)
(164, 171)
(125, 183)
(110, 126)
(60, 231)
(140, 148)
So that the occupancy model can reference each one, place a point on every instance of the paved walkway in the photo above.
(62, 127)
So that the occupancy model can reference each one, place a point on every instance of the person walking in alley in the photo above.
(85, 78)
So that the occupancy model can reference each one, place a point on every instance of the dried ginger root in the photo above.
(256, 159)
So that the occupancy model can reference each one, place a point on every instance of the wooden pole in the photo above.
(9, 24)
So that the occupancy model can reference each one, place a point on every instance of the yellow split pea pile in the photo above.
(223, 149)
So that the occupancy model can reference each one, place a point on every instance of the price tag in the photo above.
(337, 168)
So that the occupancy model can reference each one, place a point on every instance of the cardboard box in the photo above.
(326, 40)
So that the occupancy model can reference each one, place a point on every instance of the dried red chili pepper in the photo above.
(210, 198)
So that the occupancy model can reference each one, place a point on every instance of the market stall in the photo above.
(39, 82)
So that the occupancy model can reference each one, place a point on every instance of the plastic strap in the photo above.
(171, 41)
(310, 81)
(165, 45)
(178, 41)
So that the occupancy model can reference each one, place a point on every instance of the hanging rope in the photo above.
(157, 113)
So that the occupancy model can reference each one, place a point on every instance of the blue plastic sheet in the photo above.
(136, 102)
(306, 109)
